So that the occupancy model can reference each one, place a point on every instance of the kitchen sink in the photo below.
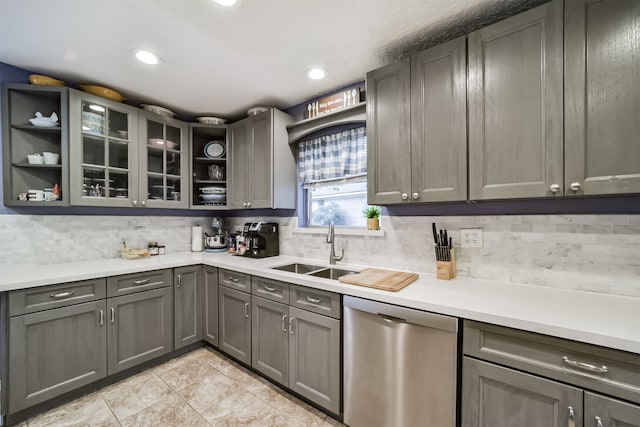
(331, 273)
(299, 268)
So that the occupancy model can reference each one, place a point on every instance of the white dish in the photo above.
(214, 149)
(156, 109)
(211, 120)
(213, 190)
(35, 159)
(213, 197)
(158, 143)
(43, 122)
(256, 110)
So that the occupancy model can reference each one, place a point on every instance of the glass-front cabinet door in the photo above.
(163, 162)
(104, 151)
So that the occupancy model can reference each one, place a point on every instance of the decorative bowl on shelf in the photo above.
(38, 79)
(213, 190)
(211, 120)
(256, 110)
(156, 109)
(35, 159)
(158, 143)
(214, 149)
(103, 92)
(213, 197)
(45, 122)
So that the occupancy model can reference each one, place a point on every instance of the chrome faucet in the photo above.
(331, 239)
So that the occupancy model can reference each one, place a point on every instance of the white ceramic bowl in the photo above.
(213, 197)
(158, 143)
(211, 120)
(43, 122)
(156, 109)
(213, 190)
(50, 158)
(256, 110)
(35, 159)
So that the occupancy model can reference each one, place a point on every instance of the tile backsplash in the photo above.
(595, 253)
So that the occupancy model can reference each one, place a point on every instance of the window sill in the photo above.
(338, 231)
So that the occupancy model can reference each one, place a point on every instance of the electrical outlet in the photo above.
(471, 237)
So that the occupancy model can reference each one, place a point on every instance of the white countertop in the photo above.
(601, 319)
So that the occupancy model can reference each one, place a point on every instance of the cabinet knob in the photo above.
(143, 203)
(554, 188)
(415, 196)
(135, 202)
(405, 196)
(244, 204)
(575, 186)
(248, 204)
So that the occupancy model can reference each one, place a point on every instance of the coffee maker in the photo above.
(260, 240)
(216, 242)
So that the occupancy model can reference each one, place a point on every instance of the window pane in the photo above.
(341, 203)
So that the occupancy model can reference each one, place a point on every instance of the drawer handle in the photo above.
(246, 310)
(586, 366)
(141, 281)
(269, 288)
(284, 320)
(233, 279)
(291, 325)
(101, 317)
(314, 300)
(62, 294)
(572, 418)
(599, 422)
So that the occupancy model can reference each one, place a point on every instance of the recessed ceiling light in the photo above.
(226, 2)
(146, 56)
(316, 73)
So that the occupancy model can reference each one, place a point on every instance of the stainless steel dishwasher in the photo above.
(400, 366)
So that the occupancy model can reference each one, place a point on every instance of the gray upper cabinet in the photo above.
(20, 138)
(164, 162)
(438, 123)
(235, 323)
(140, 328)
(210, 316)
(602, 97)
(262, 167)
(501, 397)
(416, 128)
(515, 106)
(270, 339)
(187, 300)
(388, 138)
(55, 351)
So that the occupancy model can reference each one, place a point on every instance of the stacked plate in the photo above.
(214, 149)
(213, 195)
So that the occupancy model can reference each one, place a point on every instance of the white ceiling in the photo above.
(219, 61)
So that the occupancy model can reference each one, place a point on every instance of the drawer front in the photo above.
(316, 300)
(55, 296)
(235, 280)
(138, 282)
(613, 372)
(270, 289)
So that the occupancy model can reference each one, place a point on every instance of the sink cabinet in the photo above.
(20, 138)
(262, 168)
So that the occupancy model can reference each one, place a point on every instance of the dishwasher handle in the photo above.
(392, 319)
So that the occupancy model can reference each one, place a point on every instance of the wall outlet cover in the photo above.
(471, 237)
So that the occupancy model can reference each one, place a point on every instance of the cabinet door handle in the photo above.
(586, 366)
(62, 294)
(405, 196)
(291, 325)
(101, 317)
(179, 281)
(248, 204)
(246, 310)
(135, 202)
(575, 186)
(554, 188)
(599, 422)
(143, 203)
(113, 315)
(572, 418)
(141, 281)
(284, 319)
(269, 288)
(234, 279)
(314, 300)
(415, 196)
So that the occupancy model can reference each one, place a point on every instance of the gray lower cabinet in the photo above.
(56, 351)
(601, 411)
(140, 328)
(234, 323)
(500, 397)
(602, 97)
(270, 339)
(187, 299)
(314, 358)
(209, 278)
(516, 106)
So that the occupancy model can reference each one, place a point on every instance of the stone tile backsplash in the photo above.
(595, 253)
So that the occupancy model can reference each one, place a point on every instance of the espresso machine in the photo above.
(217, 241)
(260, 240)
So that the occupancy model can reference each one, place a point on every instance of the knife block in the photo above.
(446, 270)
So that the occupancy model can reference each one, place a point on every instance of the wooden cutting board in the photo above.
(377, 278)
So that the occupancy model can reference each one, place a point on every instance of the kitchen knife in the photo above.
(435, 233)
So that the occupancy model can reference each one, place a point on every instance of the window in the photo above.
(333, 174)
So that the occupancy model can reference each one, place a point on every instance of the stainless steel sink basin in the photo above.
(299, 268)
(331, 273)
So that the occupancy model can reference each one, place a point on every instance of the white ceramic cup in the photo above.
(50, 158)
(36, 195)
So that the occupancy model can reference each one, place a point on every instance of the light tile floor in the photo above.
(200, 388)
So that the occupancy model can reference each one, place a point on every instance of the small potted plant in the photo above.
(372, 213)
